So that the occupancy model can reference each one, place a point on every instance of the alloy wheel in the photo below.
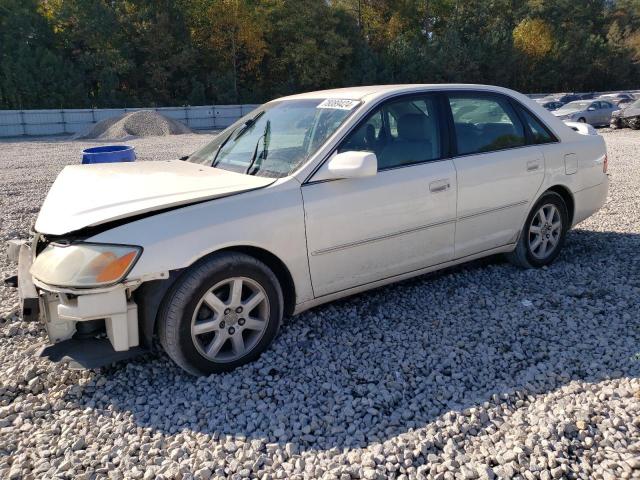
(230, 319)
(545, 231)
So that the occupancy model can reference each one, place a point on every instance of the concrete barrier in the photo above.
(15, 123)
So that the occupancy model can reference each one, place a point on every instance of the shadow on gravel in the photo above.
(376, 365)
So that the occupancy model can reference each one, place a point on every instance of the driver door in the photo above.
(362, 230)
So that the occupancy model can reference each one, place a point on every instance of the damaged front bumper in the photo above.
(88, 327)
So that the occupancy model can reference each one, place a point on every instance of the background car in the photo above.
(594, 112)
(552, 105)
(567, 97)
(616, 97)
(629, 116)
(624, 102)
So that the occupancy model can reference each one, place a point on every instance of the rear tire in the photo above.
(222, 313)
(543, 234)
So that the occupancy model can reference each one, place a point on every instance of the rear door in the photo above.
(593, 114)
(498, 173)
(606, 109)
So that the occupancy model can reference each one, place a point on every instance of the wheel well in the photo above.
(566, 195)
(279, 269)
(150, 295)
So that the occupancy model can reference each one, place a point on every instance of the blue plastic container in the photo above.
(109, 154)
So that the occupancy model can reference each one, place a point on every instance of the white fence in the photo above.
(15, 123)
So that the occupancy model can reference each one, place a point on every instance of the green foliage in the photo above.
(102, 53)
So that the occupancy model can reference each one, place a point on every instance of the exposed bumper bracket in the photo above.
(29, 299)
(87, 353)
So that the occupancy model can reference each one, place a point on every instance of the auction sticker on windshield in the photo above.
(338, 103)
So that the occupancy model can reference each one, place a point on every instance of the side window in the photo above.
(484, 123)
(400, 132)
(539, 131)
(366, 136)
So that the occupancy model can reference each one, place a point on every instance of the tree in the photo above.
(229, 41)
(311, 46)
(533, 37)
(33, 72)
(78, 53)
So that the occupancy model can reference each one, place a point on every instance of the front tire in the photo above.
(543, 234)
(222, 313)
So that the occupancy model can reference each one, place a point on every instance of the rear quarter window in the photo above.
(539, 133)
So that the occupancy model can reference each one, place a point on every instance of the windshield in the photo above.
(277, 138)
(576, 106)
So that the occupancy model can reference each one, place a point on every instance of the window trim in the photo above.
(445, 135)
(447, 132)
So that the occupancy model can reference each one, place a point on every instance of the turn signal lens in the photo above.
(84, 264)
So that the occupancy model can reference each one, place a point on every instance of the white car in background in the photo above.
(593, 112)
(616, 98)
(310, 198)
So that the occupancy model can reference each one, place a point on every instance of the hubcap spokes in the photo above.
(545, 231)
(230, 319)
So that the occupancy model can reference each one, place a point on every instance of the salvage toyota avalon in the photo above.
(307, 199)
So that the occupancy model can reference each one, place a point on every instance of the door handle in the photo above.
(533, 165)
(439, 186)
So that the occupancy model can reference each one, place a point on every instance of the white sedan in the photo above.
(308, 199)
(593, 112)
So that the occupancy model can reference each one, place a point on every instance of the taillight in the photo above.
(605, 164)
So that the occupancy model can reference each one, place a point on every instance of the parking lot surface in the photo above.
(483, 371)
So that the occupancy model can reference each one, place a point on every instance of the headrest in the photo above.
(412, 126)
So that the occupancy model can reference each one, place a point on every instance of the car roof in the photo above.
(368, 92)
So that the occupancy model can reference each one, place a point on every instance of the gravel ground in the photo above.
(486, 371)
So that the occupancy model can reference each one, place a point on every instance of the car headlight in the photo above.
(84, 264)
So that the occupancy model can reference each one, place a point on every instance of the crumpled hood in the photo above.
(629, 112)
(89, 195)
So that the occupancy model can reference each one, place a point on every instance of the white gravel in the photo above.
(485, 371)
(143, 123)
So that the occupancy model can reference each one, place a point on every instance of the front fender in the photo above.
(270, 219)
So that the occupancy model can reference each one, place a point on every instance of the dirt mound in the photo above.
(145, 123)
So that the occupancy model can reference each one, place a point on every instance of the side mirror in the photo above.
(591, 109)
(352, 165)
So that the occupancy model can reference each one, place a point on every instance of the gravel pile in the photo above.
(485, 371)
(144, 123)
